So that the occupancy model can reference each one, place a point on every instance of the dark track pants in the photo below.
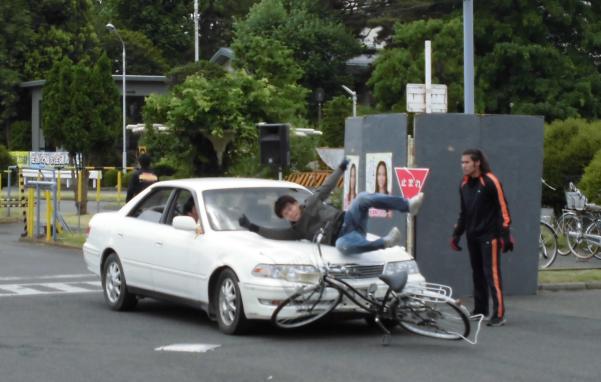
(486, 274)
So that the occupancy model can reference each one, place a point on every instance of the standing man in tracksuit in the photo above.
(485, 219)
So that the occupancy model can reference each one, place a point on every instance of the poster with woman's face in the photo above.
(378, 178)
(350, 181)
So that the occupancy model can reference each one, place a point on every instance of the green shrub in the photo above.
(590, 183)
(109, 178)
(569, 147)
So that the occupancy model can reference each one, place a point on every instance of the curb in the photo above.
(51, 243)
(570, 286)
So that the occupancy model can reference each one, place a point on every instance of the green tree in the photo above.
(61, 28)
(15, 33)
(320, 44)
(170, 25)
(208, 113)
(335, 112)
(532, 57)
(81, 111)
(20, 135)
(403, 63)
(570, 145)
(590, 183)
(142, 57)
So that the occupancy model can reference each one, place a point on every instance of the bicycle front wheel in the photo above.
(443, 320)
(579, 245)
(547, 246)
(306, 306)
(563, 248)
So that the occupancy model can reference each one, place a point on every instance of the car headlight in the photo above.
(293, 272)
(409, 266)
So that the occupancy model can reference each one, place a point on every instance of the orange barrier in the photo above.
(311, 179)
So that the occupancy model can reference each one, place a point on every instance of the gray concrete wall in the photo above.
(379, 134)
(514, 146)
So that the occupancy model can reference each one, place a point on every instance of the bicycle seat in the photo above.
(395, 281)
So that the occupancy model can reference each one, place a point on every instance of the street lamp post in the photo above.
(353, 95)
(112, 28)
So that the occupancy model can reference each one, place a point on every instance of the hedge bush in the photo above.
(590, 183)
(570, 145)
(5, 161)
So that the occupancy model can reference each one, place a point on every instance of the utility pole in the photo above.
(468, 56)
(196, 42)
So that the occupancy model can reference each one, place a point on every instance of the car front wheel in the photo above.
(230, 312)
(114, 285)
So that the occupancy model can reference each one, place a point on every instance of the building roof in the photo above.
(116, 77)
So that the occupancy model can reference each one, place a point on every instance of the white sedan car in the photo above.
(151, 247)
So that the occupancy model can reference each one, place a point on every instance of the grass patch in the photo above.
(72, 239)
(569, 276)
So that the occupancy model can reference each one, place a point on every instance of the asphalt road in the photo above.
(54, 326)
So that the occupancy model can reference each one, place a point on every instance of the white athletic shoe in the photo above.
(415, 203)
(392, 238)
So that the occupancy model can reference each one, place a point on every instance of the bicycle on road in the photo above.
(426, 309)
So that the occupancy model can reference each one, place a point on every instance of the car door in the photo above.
(137, 239)
(178, 263)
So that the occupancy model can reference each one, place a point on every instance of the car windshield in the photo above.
(225, 206)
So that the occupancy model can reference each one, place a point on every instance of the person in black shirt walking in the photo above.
(485, 219)
(142, 178)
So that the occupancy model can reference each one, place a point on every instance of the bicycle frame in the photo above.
(380, 309)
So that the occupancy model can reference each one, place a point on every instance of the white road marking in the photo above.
(188, 348)
(31, 289)
(47, 277)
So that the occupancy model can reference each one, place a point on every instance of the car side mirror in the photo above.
(185, 223)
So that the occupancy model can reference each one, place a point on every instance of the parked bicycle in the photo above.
(427, 309)
(581, 225)
(547, 246)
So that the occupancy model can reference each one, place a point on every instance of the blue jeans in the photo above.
(351, 238)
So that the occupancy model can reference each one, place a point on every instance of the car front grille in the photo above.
(355, 271)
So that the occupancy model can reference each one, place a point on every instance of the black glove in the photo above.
(506, 240)
(245, 223)
(344, 164)
(455, 243)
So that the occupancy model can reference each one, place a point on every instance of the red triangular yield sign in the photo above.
(411, 180)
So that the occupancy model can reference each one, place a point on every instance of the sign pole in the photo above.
(428, 71)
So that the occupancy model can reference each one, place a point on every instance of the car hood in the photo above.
(305, 252)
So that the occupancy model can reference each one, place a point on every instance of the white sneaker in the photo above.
(415, 203)
(392, 238)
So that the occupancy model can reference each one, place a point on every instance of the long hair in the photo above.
(478, 155)
(352, 187)
(383, 164)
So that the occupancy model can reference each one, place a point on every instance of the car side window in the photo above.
(184, 204)
(152, 207)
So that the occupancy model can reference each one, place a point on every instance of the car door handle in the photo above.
(158, 243)
(119, 234)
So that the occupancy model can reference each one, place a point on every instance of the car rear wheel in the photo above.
(230, 312)
(114, 285)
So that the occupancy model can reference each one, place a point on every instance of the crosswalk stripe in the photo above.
(30, 289)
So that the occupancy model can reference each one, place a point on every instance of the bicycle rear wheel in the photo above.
(593, 236)
(443, 320)
(306, 306)
(547, 246)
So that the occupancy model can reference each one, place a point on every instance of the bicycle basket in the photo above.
(575, 200)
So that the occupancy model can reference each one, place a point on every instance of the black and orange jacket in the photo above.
(484, 212)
